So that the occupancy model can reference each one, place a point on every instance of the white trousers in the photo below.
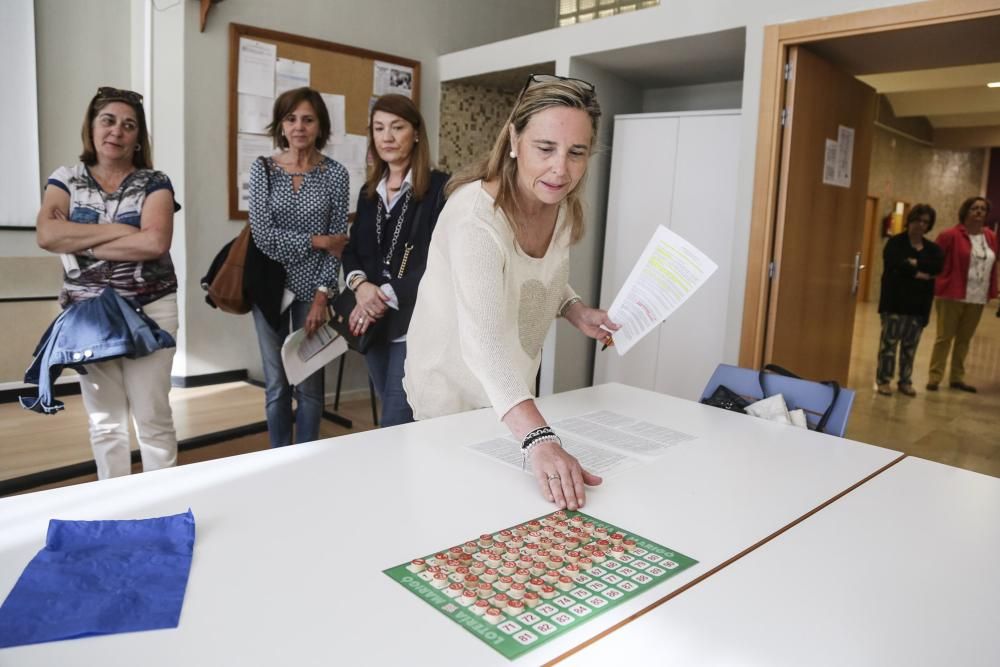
(121, 388)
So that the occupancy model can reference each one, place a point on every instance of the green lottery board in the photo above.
(521, 587)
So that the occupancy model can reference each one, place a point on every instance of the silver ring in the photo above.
(552, 477)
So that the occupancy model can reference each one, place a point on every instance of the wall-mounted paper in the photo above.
(845, 155)
(248, 148)
(390, 78)
(830, 159)
(256, 63)
(335, 106)
(254, 113)
(668, 272)
(289, 74)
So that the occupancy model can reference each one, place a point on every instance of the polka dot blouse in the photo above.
(284, 221)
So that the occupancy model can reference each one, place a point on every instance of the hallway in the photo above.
(948, 426)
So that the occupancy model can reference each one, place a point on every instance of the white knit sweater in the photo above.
(483, 310)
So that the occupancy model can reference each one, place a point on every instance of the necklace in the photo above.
(380, 215)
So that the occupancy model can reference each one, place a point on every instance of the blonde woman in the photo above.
(498, 275)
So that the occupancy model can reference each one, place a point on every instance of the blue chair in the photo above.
(812, 397)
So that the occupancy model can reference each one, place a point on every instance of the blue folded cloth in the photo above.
(99, 578)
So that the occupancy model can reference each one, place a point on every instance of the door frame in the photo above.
(763, 216)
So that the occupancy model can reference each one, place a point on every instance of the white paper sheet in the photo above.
(390, 78)
(830, 160)
(256, 63)
(248, 148)
(598, 460)
(289, 74)
(335, 106)
(845, 155)
(605, 442)
(668, 272)
(352, 151)
(254, 113)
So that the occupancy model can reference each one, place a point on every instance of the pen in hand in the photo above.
(608, 342)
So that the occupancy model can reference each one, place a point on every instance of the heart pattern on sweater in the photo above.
(537, 308)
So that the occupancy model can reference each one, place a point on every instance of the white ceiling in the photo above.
(947, 96)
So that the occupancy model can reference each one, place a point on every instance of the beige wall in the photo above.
(906, 170)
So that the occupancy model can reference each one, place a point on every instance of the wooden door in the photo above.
(819, 226)
(872, 233)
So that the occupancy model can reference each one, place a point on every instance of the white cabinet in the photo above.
(678, 170)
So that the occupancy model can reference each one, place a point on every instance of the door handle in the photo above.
(855, 279)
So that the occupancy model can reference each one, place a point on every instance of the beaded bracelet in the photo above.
(535, 438)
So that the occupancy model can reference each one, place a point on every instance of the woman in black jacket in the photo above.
(387, 252)
(911, 262)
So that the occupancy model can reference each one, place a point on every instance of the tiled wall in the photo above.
(471, 117)
(906, 170)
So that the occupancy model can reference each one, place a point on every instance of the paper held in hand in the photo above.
(302, 356)
(668, 272)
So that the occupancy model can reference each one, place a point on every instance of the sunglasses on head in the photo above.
(552, 78)
(108, 93)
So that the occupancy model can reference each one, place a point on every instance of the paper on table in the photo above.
(248, 148)
(256, 63)
(335, 107)
(597, 460)
(290, 74)
(668, 272)
(254, 113)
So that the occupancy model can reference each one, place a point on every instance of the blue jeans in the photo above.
(309, 397)
(385, 367)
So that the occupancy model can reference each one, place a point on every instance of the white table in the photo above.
(270, 584)
(901, 571)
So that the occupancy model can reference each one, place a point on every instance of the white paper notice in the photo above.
(389, 78)
(254, 113)
(290, 74)
(845, 155)
(668, 272)
(248, 148)
(335, 106)
(830, 163)
(605, 442)
(256, 65)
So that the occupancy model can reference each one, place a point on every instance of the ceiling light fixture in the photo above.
(993, 84)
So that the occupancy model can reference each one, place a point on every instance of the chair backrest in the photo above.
(812, 397)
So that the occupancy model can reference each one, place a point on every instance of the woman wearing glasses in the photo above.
(127, 211)
(498, 275)
(967, 281)
(385, 258)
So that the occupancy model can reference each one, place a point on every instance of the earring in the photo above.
(513, 155)
(138, 147)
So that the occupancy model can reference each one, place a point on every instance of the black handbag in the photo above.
(340, 319)
(727, 399)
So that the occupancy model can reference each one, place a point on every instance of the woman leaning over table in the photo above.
(397, 210)
(298, 217)
(967, 281)
(127, 210)
(497, 276)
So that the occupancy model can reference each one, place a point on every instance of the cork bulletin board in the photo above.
(358, 75)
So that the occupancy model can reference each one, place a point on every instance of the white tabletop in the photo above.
(272, 580)
(901, 571)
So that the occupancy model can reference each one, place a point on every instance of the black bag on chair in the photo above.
(833, 384)
(727, 399)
